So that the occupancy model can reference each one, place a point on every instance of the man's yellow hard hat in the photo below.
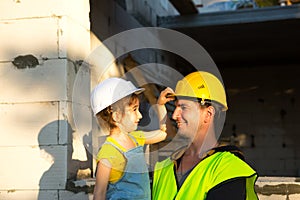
(204, 86)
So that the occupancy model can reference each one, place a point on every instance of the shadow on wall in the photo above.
(63, 170)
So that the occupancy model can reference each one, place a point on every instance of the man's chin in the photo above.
(183, 138)
(182, 134)
(185, 134)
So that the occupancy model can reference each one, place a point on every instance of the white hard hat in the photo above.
(110, 91)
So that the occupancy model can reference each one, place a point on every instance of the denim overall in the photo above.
(135, 183)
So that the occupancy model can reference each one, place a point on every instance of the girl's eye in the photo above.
(135, 109)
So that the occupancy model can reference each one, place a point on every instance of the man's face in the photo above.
(187, 115)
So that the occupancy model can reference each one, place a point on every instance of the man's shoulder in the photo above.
(228, 148)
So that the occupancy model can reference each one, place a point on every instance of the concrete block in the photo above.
(65, 123)
(291, 119)
(243, 118)
(48, 195)
(37, 36)
(265, 117)
(46, 82)
(29, 195)
(74, 129)
(75, 115)
(29, 124)
(272, 197)
(82, 118)
(73, 46)
(293, 197)
(292, 164)
(279, 187)
(66, 195)
(78, 10)
(30, 8)
(279, 153)
(269, 136)
(291, 136)
(240, 80)
(254, 153)
(297, 151)
(269, 164)
(50, 37)
(33, 167)
(78, 89)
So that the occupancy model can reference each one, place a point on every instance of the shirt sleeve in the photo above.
(107, 152)
(139, 136)
(234, 189)
(115, 158)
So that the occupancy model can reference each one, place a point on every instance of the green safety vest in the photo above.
(211, 171)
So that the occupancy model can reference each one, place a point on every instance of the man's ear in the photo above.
(210, 113)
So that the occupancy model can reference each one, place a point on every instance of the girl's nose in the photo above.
(140, 116)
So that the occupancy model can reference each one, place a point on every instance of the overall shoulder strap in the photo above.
(134, 140)
(115, 146)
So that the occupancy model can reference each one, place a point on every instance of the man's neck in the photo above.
(202, 144)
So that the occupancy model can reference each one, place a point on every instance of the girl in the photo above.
(122, 172)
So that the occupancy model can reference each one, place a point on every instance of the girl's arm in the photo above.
(155, 136)
(102, 178)
(152, 137)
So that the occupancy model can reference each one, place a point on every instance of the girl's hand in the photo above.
(163, 127)
(165, 96)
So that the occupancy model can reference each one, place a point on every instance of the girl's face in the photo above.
(131, 117)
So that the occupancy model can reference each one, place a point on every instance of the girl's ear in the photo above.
(116, 116)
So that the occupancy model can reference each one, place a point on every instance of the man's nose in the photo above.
(176, 113)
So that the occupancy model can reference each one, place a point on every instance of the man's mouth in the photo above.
(179, 124)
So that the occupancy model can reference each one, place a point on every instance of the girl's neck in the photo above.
(118, 132)
(122, 138)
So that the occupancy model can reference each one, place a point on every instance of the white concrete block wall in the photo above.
(28, 126)
(45, 195)
(66, 195)
(36, 104)
(34, 167)
(46, 37)
(46, 82)
(29, 195)
(21, 123)
(74, 39)
(37, 36)
(34, 9)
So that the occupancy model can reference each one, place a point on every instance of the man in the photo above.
(203, 169)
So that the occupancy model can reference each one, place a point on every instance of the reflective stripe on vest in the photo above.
(210, 172)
